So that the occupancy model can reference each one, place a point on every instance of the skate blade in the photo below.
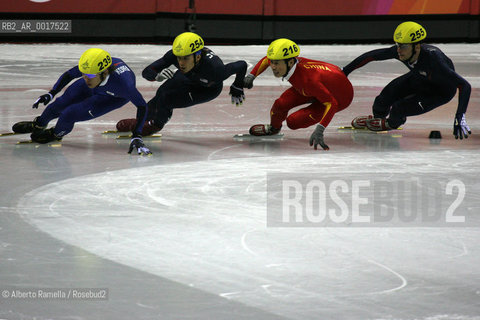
(350, 128)
(110, 131)
(5, 134)
(128, 136)
(53, 144)
(249, 137)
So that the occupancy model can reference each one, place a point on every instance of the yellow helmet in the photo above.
(409, 32)
(281, 49)
(186, 44)
(94, 61)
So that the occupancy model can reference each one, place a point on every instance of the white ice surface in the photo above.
(202, 222)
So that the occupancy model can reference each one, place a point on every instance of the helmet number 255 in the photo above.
(417, 35)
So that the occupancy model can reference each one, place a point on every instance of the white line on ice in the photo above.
(404, 281)
(210, 156)
(464, 251)
(244, 243)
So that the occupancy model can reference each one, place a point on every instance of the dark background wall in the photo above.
(248, 21)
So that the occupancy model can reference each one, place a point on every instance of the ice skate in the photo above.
(26, 126)
(126, 125)
(149, 128)
(44, 135)
(263, 130)
(360, 122)
(378, 124)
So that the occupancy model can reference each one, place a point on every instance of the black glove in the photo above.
(317, 138)
(248, 81)
(149, 74)
(237, 95)
(45, 99)
(460, 127)
(137, 143)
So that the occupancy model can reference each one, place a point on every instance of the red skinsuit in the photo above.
(322, 84)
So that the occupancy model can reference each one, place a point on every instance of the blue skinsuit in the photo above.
(80, 103)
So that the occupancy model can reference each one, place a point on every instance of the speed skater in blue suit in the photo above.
(106, 83)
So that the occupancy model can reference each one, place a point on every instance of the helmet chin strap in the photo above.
(288, 67)
(195, 55)
(102, 77)
(414, 52)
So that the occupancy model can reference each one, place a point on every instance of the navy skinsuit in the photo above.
(80, 103)
(431, 82)
(202, 84)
